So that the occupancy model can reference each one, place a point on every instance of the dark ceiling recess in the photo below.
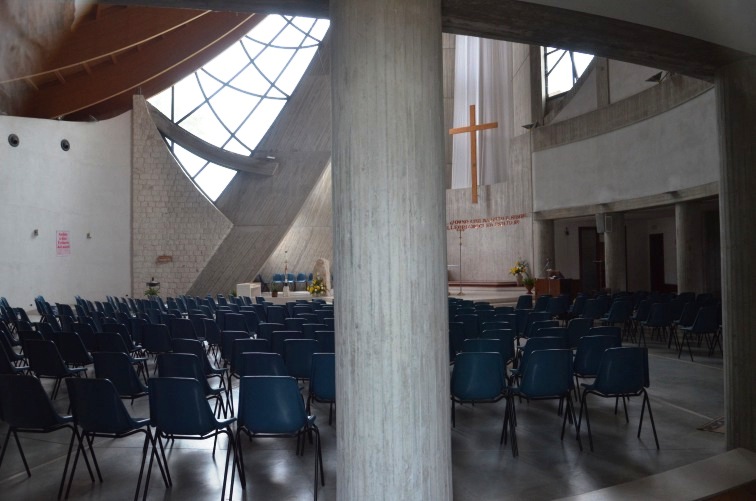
(13, 140)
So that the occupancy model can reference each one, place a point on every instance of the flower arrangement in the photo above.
(520, 267)
(317, 287)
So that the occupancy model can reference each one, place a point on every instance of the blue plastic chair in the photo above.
(235, 322)
(271, 406)
(456, 339)
(546, 375)
(323, 382)
(277, 314)
(189, 365)
(45, 361)
(26, 408)
(588, 355)
(471, 325)
(117, 367)
(326, 341)
(178, 410)
(261, 364)
(524, 302)
(182, 328)
(577, 328)
(477, 377)
(99, 412)
(298, 357)
(623, 372)
(704, 324)
(266, 329)
(195, 347)
(308, 329)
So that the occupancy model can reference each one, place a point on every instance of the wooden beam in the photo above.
(122, 101)
(201, 148)
(308, 8)
(135, 68)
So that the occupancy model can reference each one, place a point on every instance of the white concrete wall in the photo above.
(675, 150)
(583, 101)
(626, 79)
(84, 190)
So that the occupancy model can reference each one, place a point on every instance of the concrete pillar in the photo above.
(736, 107)
(689, 237)
(392, 373)
(543, 247)
(615, 253)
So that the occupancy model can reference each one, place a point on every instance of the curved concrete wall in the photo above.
(674, 150)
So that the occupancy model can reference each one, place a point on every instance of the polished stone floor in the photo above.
(685, 395)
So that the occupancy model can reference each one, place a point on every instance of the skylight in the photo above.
(563, 69)
(232, 101)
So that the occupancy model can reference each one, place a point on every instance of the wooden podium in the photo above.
(557, 286)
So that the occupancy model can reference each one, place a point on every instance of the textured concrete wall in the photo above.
(671, 151)
(311, 235)
(263, 209)
(170, 216)
(448, 53)
(82, 190)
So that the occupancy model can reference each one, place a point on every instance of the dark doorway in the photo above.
(591, 259)
(656, 261)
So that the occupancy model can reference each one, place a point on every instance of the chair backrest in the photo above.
(227, 343)
(542, 303)
(248, 345)
(309, 329)
(182, 328)
(456, 338)
(276, 314)
(535, 327)
(294, 324)
(323, 377)
(577, 328)
(261, 364)
(194, 347)
(117, 367)
(470, 320)
(25, 404)
(212, 332)
(607, 330)
(298, 356)
(532, 317)
(477, 376)
(277, 340)
(706, 320)
(660, 315)
(541, 343)
(524, 302)
(123, 331)
(266, 329)
(44, 358)
(547, 374)
(72, 349)
(111, 341)
(181, 365)
(589, 351)
(622, 371)
(97, 406)
(156, 338)
(326, 340)
(178, 407)
(271, 405)
(235, 322)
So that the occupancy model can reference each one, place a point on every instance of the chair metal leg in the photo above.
(584, 405)
(74, 436)
(646, 401)
(21, 451)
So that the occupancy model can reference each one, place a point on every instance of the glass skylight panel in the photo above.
(213, 179)
(191, 162)
(234, 99)
(563, 68)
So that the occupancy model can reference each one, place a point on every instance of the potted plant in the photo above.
(529, 283)
(520, 267)
(317, 287)
(274, 288)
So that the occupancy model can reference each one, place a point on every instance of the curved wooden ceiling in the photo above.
(118, 51)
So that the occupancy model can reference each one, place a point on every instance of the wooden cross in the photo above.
(473, 129)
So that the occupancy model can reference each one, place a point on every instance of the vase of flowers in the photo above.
(529, 283)
(317, 287)
(519, 269)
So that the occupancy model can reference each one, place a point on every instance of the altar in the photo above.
(293, 296)
(251, 289)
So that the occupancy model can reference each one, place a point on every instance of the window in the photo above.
(232, 101)
(563, 68)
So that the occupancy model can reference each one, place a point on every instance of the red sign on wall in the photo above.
(62, 243)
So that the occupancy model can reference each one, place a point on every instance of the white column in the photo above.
(736, 107)
(543, 247)
(392, 374)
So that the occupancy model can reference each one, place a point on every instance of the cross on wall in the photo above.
(473, 128)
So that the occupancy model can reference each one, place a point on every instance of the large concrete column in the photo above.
(392, 372)
(689, 237)
(615, 254)
(543, 246)
(736, 107)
